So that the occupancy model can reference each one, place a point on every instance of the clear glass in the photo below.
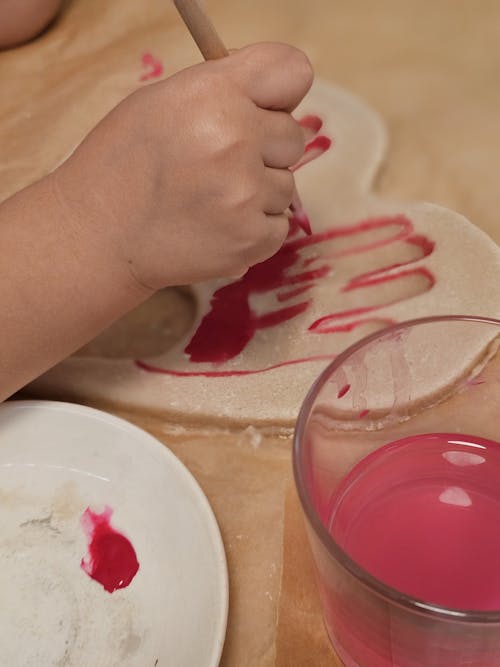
(433, 375)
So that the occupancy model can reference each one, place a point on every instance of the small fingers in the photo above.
(277, 231)
(311, 125)
(283, 139)
(274, 76)
(269, 233)
(278, 190)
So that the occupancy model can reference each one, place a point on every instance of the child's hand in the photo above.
(21, 21)
(188, 179)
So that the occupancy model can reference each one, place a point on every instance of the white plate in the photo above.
(56, 460)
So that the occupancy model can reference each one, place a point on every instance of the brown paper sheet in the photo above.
(430, 68)
(301, 636)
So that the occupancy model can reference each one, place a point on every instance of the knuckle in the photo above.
(279, 229)
(245, 196)
(230, 149)
(263, 52)
(252, 234)
(297, 142)
(288, 184)
(285, 53)
(278, 53)
(210, 82)
(298, 133)
(292, 131)
(275, 237)
(281, 232)
(237, 268)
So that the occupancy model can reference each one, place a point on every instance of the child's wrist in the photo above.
(89, 234)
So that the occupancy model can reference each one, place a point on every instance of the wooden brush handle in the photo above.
(202, 29)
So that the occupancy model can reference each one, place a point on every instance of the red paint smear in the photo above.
(294, 292)
(278, 316)
(358, 282)
(153, 65)
(299, 217)
(475, 382)
(344, 390)
(312, 122)
(319, 145)
(151, 368)
(293, 227)
(231, 324)
(321, 326)
(364, 413)
(319, 323)
(425, 244)
(404, 225)
(314, 149)
(310, 260)
(111, 558)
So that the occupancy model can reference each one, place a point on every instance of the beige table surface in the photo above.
(431, 67)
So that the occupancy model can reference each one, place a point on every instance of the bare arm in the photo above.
(185, 180)
(58, 285)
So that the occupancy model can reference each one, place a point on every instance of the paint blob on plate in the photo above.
(111, 559)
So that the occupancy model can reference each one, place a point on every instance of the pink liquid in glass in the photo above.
(422, 515)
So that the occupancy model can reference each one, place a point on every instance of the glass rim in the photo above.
(333, 548)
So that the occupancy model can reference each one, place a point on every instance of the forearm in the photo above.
(59, 285)
(185, 180)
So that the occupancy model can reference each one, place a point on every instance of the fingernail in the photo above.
(313, 123)
(299, 215)
(314, 149)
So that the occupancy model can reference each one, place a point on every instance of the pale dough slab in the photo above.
(423, 260)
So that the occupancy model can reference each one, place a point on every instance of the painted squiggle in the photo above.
(231, 323)
(153, 67)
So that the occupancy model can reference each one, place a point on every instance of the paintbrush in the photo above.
(211, 46)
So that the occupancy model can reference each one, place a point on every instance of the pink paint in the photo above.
(344, 390)
(314, 150)
(422, 515)
(475, 382)
(426, 246)
(403, 232)
(111, 559)
(151, 368)
(231, 323)
(324, 326)
(153, 67)
(422, 242)
(312, 122)
(284, 296)
(299, 216)
(376, 279)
